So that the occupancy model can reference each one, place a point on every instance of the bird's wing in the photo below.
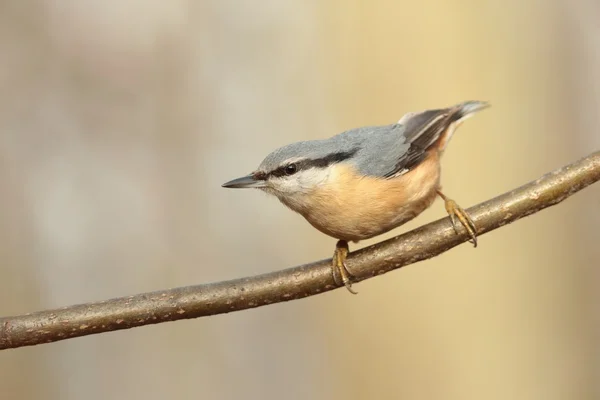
(392, 150)
(421, 131)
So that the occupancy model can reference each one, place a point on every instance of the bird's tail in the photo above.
(456, 116)
(464, 110)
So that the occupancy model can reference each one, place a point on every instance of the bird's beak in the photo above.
(248, 181)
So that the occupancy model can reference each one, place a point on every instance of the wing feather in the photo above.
(422, 130)
(392, 150)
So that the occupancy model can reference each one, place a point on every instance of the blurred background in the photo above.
(120, 120)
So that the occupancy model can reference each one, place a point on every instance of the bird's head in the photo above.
(295, 170)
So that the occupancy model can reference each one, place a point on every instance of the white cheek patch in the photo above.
(301, 182)
(313, 177)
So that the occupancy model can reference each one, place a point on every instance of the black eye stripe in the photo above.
(279, 172)
(313, 163)
(260, 176)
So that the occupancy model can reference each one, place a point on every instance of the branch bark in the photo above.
(307, 280)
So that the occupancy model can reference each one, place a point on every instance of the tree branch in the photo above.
(294, 283)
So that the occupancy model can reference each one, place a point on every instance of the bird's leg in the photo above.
(456, 212)
(339, 265)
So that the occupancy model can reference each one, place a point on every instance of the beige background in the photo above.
(119, 121)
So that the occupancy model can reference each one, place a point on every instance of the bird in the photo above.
(366, 181)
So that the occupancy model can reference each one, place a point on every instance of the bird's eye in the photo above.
(290, 169)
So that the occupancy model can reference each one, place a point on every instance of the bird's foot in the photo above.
(457, 213)
(339, 265)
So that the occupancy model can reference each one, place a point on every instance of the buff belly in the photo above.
(350, 207)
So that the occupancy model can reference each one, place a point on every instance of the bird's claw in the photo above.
(346, 280)
(339, 266)
(457, 213)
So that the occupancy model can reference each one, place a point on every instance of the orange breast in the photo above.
(353, 208)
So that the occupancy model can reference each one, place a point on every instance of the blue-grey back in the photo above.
(380, 148)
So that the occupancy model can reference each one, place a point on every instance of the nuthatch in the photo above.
(365, 181)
